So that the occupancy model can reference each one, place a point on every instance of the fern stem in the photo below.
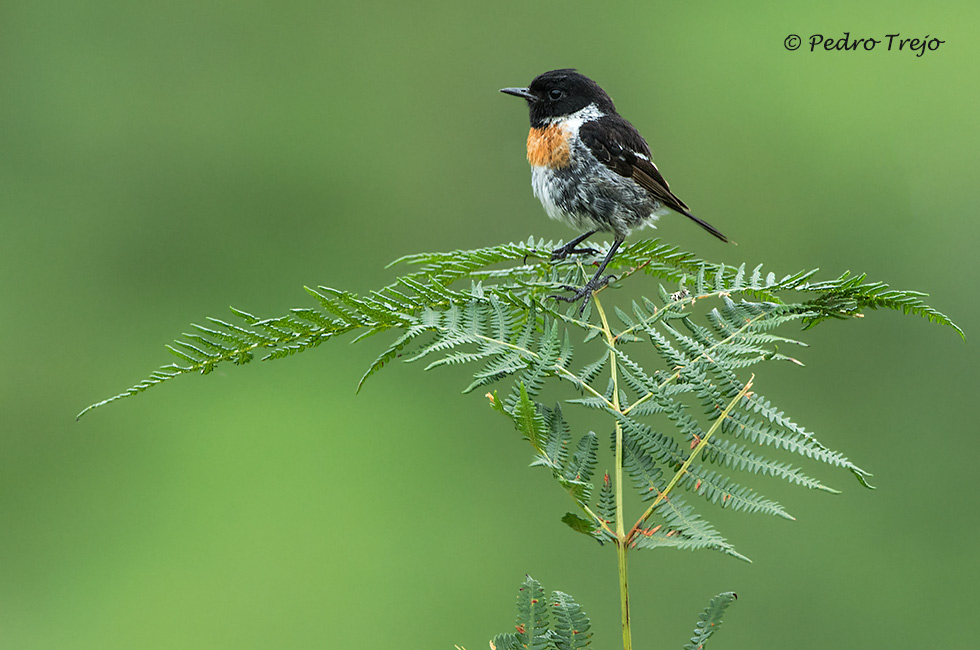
(621, 542)
(506, 344)
(614, 376)
(690, 459)
(602, 524)
(563, 372)
(624, 595)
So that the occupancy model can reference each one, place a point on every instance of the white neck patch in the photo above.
(578, 118)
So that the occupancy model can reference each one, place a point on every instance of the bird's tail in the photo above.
(704, 224)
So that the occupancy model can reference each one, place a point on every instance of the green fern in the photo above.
(687, 431)
(557, 623)
(710, 620)
(658, 364)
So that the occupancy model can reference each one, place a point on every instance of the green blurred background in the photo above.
(161, 161)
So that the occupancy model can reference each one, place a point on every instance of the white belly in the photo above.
(540, 183)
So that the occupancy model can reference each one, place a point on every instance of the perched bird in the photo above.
(591, 168)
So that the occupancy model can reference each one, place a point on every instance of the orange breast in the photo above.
(548, 147)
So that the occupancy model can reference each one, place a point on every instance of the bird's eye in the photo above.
(555, 94)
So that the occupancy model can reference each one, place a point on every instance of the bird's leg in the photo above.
(562, 252)
(597, 281)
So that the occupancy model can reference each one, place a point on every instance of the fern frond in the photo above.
(606, 508)
(506, 641)
(553, 353)
(842, 297)
(793, 438)
(599, 403)
(463, 263)
(723, 491)
(505, 327)
(682, 529)
(647, 476)
(582, 464)
(571, 625)
(156, 377)
(532, 615)
(571, 628)
(748, 321)
(739, 457)
(559, 439)
(643, 448)
(393, 350)
(710, 620)
(550, 435)
(532, 424)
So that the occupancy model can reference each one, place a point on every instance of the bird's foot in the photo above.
(584, 293)
(562, 252)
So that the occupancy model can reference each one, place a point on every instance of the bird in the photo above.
(591, 168)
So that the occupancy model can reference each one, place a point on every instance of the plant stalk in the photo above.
(624, 594)
(621, 542)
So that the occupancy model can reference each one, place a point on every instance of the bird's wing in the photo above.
(616, 144)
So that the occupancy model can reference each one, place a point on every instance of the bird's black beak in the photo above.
(520, 92)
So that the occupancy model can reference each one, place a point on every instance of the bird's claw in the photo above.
(566, 250)
(584, 293)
